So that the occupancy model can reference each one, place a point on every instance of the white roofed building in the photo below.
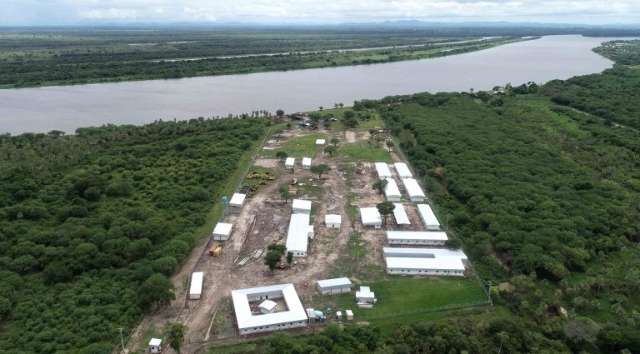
(365, 296)
(428, 217)
(400, 214)
(268, 306)
(333, 220)
(371, 217)
(425, 261)
(320, 141)
(403, 170)
(298, 234)
(249, 322)
(237, 199)
(334, 286)
(155, 345)
(427, 238)
(383, 170)
(413, 189)
(391, 191)
(306, 163)
(195, 289)
(289, 163)
(301, 206)
(222, 231)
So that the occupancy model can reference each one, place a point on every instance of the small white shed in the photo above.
(237, 199)
(349, 314)
(306, 163)
(155, 345)
(333, 220)
(334, 286)
(371, 217)
(301, 206)
(268, 306)
(289, 163)
(403, 170)
(365, 296)
(222, 231)
(383, 170)
(320, 141)
(195, 289)
(391, 190)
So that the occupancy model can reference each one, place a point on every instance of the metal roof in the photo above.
(400, 214)
(412, 187)
(383, 170)
(437, 263)
(329, 283)
(246, 319)
(290, 161)
(370, 216)
(413, 252)
(306, 161)
(403, 170)
(237, 199)
(155, 342)
(333, 219)
(391, 190)
(222, 228)
(298, 233)
(196, 283)
(417, 235)
(320, 141)
(427, 215)
(301, 204)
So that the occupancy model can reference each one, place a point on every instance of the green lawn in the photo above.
(304, 146)
(404, 299)
(362, 151)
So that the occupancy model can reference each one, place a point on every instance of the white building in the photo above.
(289, 163)
(446, 266)
(371, 217)
(334, 286)
(306, 163)
(301, 206)
(400, 214)
(222, 231)
(365, 296)
(349, 315)
(195, 289)
(237, 200)
(428, 238)
(249, 322)
(428, 217)
(333, 220)
(403, 170)
(413, 189)
(155, 345)
(412, 252)
(268, 306)
(298, 234)
(391, 191)
(320, 141)
(383, 170)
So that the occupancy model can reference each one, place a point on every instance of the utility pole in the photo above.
(122, 341)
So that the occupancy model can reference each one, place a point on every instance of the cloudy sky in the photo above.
(46, 12)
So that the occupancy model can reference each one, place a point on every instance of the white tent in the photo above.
(333, 220)
(237, 199)
(222, 231)
(301, 206)
(195, 289)
(289, 162)
(400, 214)
(391, 191)
(403, 170)
(428, 217)
(383, 170)
(306, 163)
(371, 217)
(413, 189)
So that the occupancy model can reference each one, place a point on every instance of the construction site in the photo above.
(258, 216)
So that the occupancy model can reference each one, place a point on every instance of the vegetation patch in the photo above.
(364, 151)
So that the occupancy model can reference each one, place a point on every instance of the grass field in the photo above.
(363, 151)
(304, 146)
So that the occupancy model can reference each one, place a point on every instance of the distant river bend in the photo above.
(69, 107)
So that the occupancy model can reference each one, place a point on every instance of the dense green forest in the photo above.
(609, 95)
(92, 225)
(543, 197)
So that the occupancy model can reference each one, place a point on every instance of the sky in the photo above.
(69, 12)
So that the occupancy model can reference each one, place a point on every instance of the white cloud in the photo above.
(561, 11)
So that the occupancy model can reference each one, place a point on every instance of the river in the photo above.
(69, 107)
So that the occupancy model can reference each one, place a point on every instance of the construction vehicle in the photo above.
(215, 250)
